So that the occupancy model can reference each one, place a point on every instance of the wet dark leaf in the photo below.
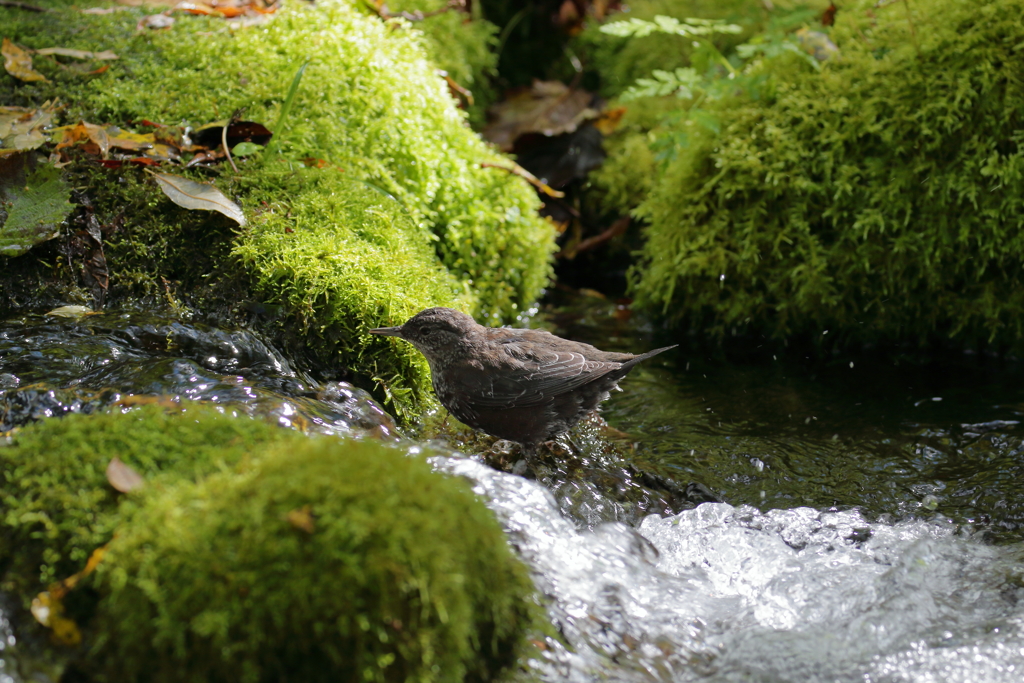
(211, 135)
(548, 108)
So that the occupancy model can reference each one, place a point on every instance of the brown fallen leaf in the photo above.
(122, 477)
(195, 196)
(302, 519)
(548, 107)
(95, 138)
(18, 63)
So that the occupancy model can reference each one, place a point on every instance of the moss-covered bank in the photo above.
(396, 178)
(876, 200)
(254, 554)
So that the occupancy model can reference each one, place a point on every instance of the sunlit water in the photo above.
(869, 556)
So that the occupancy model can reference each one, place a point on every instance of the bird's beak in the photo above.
(388, 331)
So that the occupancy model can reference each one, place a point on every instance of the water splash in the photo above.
(723, 593)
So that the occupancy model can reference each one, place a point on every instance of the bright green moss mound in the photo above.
(881, 199)
(370, 103)
(404, 576)
(391, 153)
(56, 505)
(325, 250)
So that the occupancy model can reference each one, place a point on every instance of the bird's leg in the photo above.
(529, 452)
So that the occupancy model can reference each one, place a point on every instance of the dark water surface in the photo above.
(893, 437)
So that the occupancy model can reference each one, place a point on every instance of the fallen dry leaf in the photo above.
(155, 21)
(76, 54)
(21, 128)
(302, 519)
(71, 312)
(548, 107)
(122, 477)
(18, 63)
(197, 196)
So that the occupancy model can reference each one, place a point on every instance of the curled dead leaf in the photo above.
(122, 477)
(195, 196)
(18, 63)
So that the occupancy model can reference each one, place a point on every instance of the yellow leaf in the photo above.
(18, 63)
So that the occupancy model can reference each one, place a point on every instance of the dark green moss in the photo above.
(402, 575)
(880, 199)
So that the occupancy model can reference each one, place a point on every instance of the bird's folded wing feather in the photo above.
(536, 379)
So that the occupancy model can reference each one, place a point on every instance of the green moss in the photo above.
(880, 199)
(460, 44)
(338, 254)
(370, 104)
(631, 168)
(404, 576)
(56, 505)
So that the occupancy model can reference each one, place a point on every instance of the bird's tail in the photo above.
(644, 356)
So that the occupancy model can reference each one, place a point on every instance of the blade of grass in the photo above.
(286, 109)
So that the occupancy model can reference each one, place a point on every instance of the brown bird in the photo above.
(526, 386)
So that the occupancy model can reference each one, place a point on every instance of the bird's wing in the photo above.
(534, 378)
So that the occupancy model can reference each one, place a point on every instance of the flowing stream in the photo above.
(868, 528)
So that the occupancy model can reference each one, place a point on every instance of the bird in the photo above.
(526, 386)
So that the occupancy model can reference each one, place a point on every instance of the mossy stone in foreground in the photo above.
(392, 573)
(880, 199)
(56, 505)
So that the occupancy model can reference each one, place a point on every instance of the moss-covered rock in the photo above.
(384, 141)
(878, 199)
(255, 553)
(396, 574)
(56, 505)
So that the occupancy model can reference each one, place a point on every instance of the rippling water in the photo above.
(869, 532)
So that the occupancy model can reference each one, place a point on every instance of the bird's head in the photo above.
(434, 331)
